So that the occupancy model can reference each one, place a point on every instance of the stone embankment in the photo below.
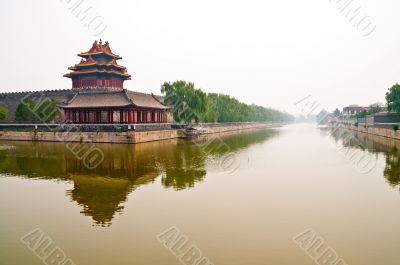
(127, 137)
(373, 130)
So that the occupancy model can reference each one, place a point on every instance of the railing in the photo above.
(361, 120)
(86, 127)
(348, 121)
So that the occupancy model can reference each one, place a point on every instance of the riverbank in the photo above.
(127, 137)
(373, 130)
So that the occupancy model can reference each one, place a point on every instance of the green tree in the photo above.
(375, 108)
(31, 111)
(47, 110)
(3, 113)
(189, 104)
(25, 111)
(362, 114)
(337, 112)
(393, 98)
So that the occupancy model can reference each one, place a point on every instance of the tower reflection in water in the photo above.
(101, 192)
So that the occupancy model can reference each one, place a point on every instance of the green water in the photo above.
(240, 198)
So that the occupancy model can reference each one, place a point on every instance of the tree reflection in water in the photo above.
(102, 191)
(377, 145)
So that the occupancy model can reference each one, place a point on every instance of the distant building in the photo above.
(383, 118)
(353, 110)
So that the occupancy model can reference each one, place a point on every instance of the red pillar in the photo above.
(129, 116)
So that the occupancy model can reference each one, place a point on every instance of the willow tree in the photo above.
(188, 103)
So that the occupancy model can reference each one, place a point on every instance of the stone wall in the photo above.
(12, 100)
(119, 137)
(236, 127)
(90, 137)
(385, 132)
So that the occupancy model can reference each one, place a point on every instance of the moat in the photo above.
(240, 202)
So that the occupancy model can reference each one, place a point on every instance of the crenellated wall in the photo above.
(12, 100)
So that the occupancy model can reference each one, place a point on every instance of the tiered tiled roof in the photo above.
(99, 60)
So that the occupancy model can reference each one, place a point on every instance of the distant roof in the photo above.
(121, 98)
(354, 107)
(387, 113)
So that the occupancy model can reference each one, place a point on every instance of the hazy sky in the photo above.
(271, 53)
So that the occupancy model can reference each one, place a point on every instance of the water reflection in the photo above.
(102, 191)
(377, 145)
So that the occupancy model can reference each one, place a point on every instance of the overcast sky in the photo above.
(271, 53)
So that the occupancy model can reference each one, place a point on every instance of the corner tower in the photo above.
(98, 69)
